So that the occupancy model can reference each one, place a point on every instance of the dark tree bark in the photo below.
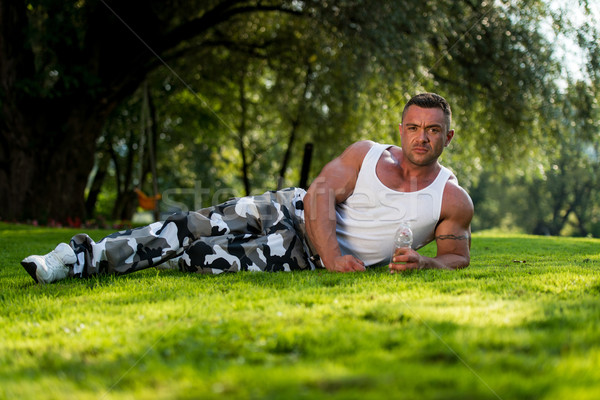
(96, 186)
(242, 130)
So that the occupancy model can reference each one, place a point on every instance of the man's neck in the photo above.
(398, 173)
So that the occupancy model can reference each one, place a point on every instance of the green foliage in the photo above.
(238, 85)
(343, 74)
(526, 307)
(560, 194)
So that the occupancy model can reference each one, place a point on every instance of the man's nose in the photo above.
(422, 136)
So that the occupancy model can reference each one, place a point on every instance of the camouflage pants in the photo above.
(255, 233)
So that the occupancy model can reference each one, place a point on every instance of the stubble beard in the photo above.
(424, 160)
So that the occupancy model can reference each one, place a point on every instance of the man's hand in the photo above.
(346, 263)
(404, 259)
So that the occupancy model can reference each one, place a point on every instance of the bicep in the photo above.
(453, 233)
(453, 238)
(338, 178)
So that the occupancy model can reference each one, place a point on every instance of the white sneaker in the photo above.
(52, 266)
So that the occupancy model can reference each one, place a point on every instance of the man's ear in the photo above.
(449, 136)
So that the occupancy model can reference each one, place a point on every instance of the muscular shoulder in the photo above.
(456, 203)
(358, 149)
(340, 174)
(354, 154)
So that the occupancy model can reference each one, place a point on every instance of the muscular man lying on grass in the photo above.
(345, 222)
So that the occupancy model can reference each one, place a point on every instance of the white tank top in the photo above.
(368, 219)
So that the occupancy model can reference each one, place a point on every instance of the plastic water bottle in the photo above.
(403, 237)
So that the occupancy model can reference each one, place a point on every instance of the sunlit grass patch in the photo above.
(521, 322)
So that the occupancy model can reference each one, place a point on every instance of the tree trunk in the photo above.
(152, 146)
(47, 142)
(96, 186)
(44, 175)
(125, 202)
(242, 133)
(287, 154)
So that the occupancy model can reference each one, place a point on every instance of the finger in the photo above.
(345, 267)
(397, 267)
(354, 264)
(399, 253)
(399, 259)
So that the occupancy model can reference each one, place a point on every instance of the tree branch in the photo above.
(213, 18)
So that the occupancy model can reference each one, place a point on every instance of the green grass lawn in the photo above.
(522, 322)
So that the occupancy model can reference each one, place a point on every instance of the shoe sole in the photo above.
(31, 268)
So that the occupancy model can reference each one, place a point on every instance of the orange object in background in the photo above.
(145, 201)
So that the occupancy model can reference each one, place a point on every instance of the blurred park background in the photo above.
(195, 101)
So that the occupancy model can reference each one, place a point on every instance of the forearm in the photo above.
(446, 261)
(327, 247)
(320, 226)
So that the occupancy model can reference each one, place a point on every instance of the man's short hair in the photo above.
(430, 100)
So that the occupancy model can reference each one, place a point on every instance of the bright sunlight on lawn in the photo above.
(522, 322)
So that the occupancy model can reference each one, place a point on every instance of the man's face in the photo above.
(424, 134)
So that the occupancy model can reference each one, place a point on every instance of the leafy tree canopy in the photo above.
(267, 74)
